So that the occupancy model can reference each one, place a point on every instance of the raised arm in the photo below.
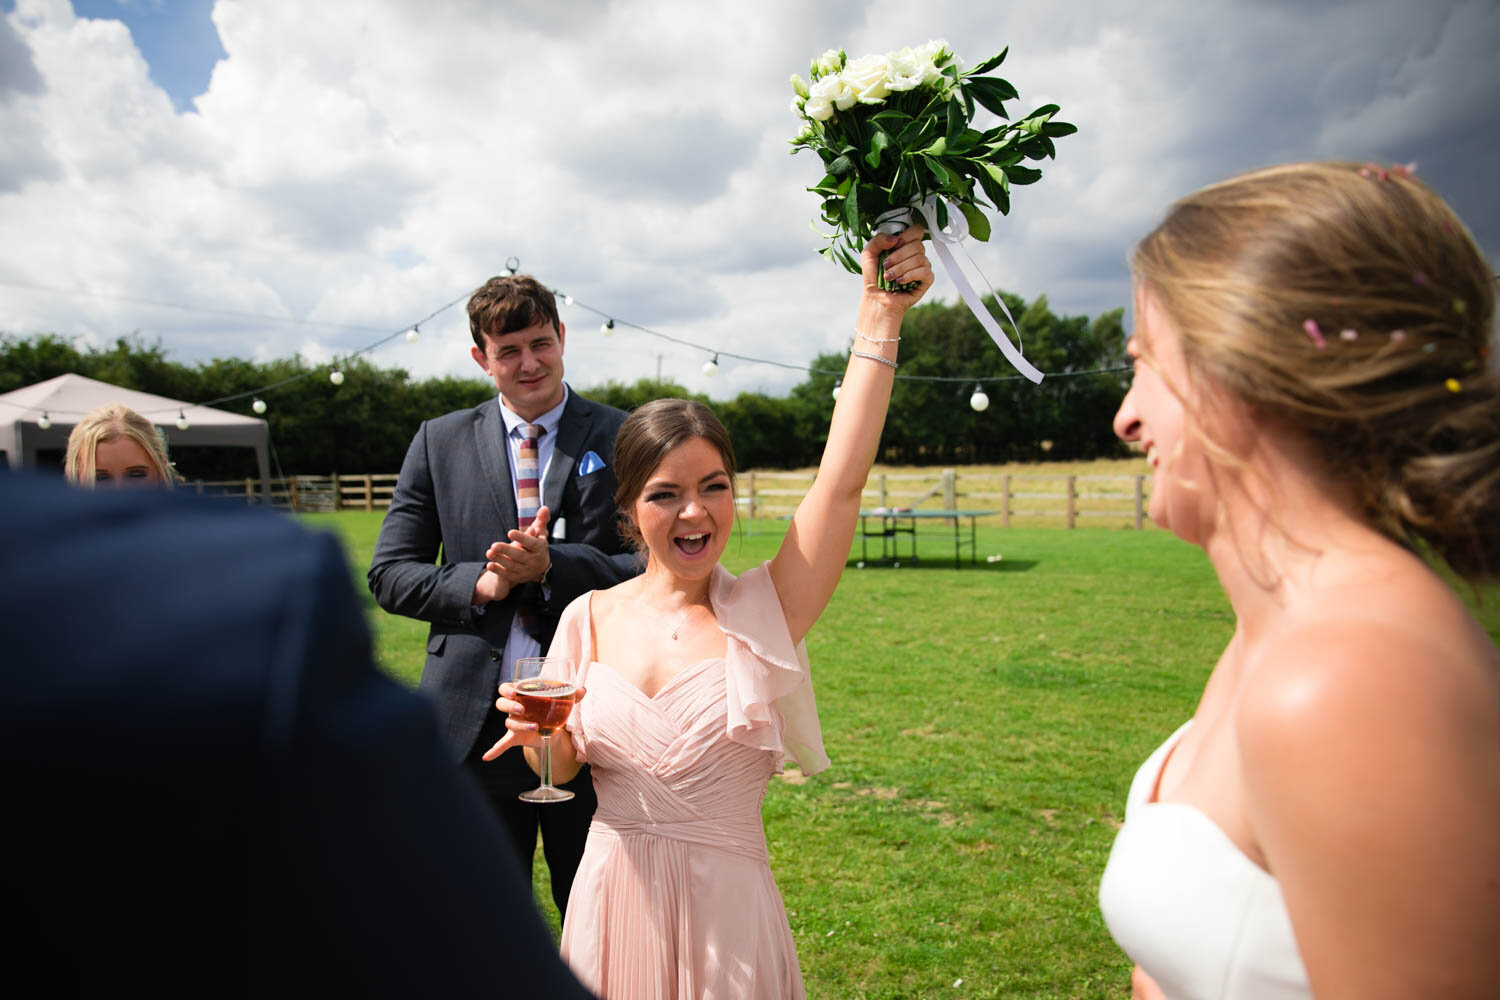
(807, 567)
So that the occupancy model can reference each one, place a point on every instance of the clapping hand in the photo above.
(524, 557)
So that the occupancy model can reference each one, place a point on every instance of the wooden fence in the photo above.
(1050, 497)
(370, 491)
(1067, 498)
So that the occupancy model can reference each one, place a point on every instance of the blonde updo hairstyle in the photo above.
(645, 439)
(105, 424)
(1349, 304)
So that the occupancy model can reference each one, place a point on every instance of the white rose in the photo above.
(830, 62)
(929, 56)
(834, 91)
(867, 76)
(818, 108)
(932, 51)
(906, 72)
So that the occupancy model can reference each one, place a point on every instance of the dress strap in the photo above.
(593, 639)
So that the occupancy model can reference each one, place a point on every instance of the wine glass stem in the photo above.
(546, 761)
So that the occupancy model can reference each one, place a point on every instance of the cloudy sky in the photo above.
(310, 177)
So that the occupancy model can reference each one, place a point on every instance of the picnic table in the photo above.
(893, 522)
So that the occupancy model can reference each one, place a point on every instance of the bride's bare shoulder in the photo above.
(1398, 653)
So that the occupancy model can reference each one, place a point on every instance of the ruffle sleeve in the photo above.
(767, 678)
(572, 640)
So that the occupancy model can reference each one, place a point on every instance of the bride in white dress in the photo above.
(1315, 391)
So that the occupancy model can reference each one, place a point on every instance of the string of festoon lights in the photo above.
(979, 400)
(411, 331)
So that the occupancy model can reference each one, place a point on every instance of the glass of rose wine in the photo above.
(546, 691)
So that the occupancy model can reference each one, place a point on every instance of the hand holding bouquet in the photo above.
(894, 130)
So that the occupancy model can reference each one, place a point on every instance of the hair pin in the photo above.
(1383, 174)
(1310, 327)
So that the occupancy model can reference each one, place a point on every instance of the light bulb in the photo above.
(836, 387)
(512, 265)
(413, 335)
(567, 300)
(979, 401)
(45, 421)
(711, 367)
(259, 406)
(336, 377)
(182, 421)
(607, 328)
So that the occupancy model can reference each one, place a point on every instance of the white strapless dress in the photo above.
(1187, 906)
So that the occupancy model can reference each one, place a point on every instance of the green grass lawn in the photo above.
(984, 724)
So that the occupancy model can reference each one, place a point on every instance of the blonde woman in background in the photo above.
(116, 446)
(1315, 393)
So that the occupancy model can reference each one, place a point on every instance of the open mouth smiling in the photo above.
(691, 545)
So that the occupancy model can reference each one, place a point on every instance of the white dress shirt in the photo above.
(521, 643)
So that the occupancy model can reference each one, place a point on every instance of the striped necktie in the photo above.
(528, 482)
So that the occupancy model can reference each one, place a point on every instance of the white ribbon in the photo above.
(958, 227)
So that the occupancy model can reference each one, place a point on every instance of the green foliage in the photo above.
(366, 424)
(628, 397)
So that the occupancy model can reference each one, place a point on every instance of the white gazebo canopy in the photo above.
(64, 400)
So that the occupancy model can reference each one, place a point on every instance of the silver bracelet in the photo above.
(874, 357)
(877, 340)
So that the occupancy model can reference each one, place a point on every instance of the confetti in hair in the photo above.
(1310, 327)
(1349, 334)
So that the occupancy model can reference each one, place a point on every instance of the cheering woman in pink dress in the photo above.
(698, 688)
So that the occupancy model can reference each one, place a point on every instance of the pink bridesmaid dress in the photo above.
(674, 897)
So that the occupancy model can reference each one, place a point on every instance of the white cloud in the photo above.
(365, 162)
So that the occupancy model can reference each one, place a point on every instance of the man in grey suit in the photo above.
(455, 549)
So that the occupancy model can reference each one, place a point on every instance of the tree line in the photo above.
(365, 424)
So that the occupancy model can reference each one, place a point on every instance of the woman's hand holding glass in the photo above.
(537, 705)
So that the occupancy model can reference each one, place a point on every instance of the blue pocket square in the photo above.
(590, 462)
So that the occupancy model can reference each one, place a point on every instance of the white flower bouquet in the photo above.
(895, 130)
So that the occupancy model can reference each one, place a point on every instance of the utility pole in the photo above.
(658, 368)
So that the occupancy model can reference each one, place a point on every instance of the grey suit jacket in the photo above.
(453, 500)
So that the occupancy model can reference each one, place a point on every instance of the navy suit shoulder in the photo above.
(211, 787)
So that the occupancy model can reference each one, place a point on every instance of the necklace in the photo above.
(681, 622)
